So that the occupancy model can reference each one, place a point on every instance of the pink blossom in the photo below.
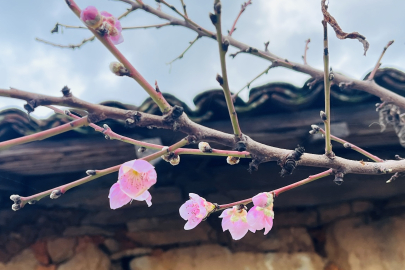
(114, 28)
(104, 22)
(195, 210)
(235, 221)
(91, 17)
(134, 179)
(261, 215)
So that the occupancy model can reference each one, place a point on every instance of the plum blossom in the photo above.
(195, 210)
(135, 177)
(104, 23)
(234, 220)
(261, 215)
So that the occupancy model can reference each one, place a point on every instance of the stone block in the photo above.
(61, 249)
(217, 257)
(88, 258)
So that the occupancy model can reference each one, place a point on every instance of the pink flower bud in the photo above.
(263, 199)
(195, 210)
(91, 17)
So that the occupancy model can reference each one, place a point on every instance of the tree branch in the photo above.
(326, 115)
(377, 66)
(243, 8)
(223, 81)
(277, 192)
(304, 57)
(249, 83)
(96, 174)
(45, 134)
(367, 86)
(70, 46)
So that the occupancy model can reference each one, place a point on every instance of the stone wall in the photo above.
(356, 235)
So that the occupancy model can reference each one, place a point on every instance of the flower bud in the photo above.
(165, 157)
(204, 147)
(232, 160)
(91, 172)
(91, 17)
(15, 198)
(175, 160)
(118, 69)
(16, 207)
(56, 194)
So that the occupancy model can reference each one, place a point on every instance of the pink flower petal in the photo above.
(192, 223)
(261, 199)
(117, 197)
(268, 224)
(186, 210)
(145, 197)
(89, 13)
(117, 39)
(118, 26)
(106, 14)
(239, 229)
(142, 166)
(255, 218)
(226, 223)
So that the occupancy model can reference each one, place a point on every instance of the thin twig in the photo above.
(70, 46)
(326, 119)
(182, 54)
(348, 145)
(277, 192)
(243, 8)
(45, 134)
(377, 66)
(184, 8)
(199, 28)
(157, 26)
(181, 151)
(223, 48)
(249, 83)
(304, 57)
(98, 173)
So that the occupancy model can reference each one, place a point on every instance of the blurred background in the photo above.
(319, 226)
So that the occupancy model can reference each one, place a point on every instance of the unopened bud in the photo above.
(56, 194)
(15, 198)
(165, 157)
(16, 207)
(220, 79)
(91, 17)
(347, 145)
(91, 172)
(205, 147)
(225, 45)
(141, 149)
(232, 160)
(118, 69)
(66, 91)
(338, 178)
(214, 18)
(240, 146)
(175, 160)
(323, 116)
(32, 202)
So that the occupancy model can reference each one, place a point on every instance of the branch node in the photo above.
(289, 163)
(240, 146)
(214, 18)
(220, 80)
(323, 116)
(91, 172)
(338, 178)
(55, 194)
(66, 91)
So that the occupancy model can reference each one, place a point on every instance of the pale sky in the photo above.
(29, 65)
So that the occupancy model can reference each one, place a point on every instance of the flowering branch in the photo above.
(243, 8)
(326, 115)
(133, 73)
(45, 134)
(223, 81)
(377, 66)
(316, 129)
(277, 192)
(20, 202)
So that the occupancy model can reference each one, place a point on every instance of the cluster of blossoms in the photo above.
(236, 219)
(103, 22)
(137, 176)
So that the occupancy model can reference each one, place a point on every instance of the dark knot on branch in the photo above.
(289, 163)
